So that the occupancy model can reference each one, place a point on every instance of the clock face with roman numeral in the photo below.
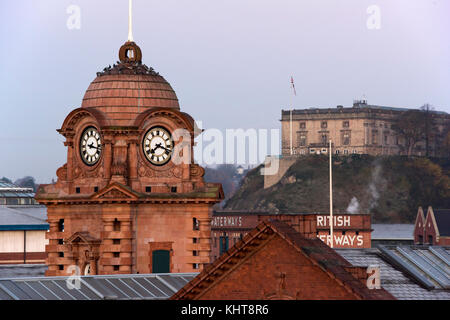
(90, 146)
(158, 146)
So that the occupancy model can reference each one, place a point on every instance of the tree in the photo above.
(410, 126)
(26, 182)
(4, 179)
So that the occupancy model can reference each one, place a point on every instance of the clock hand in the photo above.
(94, 147)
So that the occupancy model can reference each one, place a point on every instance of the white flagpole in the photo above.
(290, 125)
(331, 198)
(130, 21)
(290, 118)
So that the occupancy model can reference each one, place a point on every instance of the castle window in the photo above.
(77, 190)
(195, 253)
(95, 189)
(148, 189)
(116, 241)
(346, 151)
(430, 239)
(324, 124)
(386, 140)
(337, 151)
(346, 138)
(61, 267)
(61, 254)
(301, 139)
(60, 241)
(195, 266)
(302, 125)
(346, 124)
(116, 254)
(324, 138)
(173, 189)
(374, 136)
(116, 268)
(194, 240)
(357, 233)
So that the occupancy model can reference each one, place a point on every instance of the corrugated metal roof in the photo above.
(392, 232)
(399, 278)
(115, 287)
(23, 218)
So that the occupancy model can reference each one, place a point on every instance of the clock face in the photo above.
(90, 146)
(158, 146)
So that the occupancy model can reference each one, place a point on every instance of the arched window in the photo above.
(161, 261)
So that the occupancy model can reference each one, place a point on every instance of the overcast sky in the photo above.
(230, 62)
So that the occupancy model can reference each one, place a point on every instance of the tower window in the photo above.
(116, 268)
(61, 254)
(173, 189)
(95, 189)
(60, 241)
(61, 267)
(77, 190)
(116, 241)
(195, 224)
(148, 189)
(116, 254)
(195, 253)
(61, 225)
(195, 266)
(116, 225)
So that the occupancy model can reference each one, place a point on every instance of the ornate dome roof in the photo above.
(128, 88)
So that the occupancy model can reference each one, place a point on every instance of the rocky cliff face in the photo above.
(390, 188)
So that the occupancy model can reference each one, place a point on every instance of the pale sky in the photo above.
(230, 62)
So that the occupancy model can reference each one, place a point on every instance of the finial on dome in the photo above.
(130, 53)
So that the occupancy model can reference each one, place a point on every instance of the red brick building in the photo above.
(349, 230)
(121, 204)
(434, 229)
(275, 262)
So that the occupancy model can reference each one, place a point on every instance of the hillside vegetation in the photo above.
(390, 188)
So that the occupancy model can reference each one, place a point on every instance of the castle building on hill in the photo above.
(120, 204)
(360, 129)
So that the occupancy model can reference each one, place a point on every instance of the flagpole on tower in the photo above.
(130, 21)
(290, 115)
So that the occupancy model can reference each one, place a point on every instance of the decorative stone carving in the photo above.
(61, 173)
(177, 172)
(197, 171)
(145, 171)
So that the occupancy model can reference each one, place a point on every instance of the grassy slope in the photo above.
(390, 188)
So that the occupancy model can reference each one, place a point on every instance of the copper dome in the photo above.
(128, 88)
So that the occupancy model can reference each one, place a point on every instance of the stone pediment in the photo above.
(115, 191)
(82, 238)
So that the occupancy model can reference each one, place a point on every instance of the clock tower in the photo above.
(124, 202)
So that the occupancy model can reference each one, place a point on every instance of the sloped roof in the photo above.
(395, 278)
(23, 218)
(392, 231)
(110, 287)
(314, 249)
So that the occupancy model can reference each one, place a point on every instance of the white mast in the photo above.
(331, 198)
(130, 21)
(290, 128)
